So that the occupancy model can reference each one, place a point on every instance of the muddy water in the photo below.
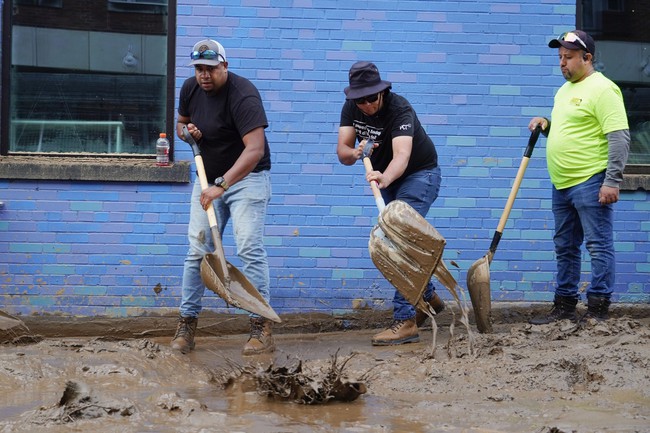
(175, 393)
(537, 379)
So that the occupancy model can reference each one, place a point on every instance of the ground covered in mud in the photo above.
(116, 375)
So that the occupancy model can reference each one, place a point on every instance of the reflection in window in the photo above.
(96, 85)
(622, 37)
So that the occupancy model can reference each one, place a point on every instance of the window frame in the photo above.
(24, 165)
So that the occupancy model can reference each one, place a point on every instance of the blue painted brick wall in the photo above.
(475, 71)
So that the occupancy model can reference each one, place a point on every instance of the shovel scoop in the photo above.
(217, 273)
(407, 251)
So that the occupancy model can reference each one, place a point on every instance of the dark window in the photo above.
(620, 29)
(87, 77)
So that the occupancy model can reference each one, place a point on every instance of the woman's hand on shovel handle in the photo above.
(209, 194)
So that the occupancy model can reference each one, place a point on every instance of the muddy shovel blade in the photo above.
(240, 292)
(228, 282)
(406, 249)
(478, 286)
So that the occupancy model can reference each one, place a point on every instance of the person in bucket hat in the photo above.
(224, 113)
(405, 167)
(586, 152)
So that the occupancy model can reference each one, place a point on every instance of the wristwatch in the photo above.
(220, 181)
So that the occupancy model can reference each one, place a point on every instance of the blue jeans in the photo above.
(579, 217)
(419, 190)
(246, 202)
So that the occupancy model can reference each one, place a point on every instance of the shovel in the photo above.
(405, 247)
(478, 275)
(217, 273)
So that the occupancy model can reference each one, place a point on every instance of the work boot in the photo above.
(436, 303)
(597, 308)
(399, 332)
(564, 307)
(261, 340)
(184, 338)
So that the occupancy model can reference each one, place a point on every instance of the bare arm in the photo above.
(345, 149)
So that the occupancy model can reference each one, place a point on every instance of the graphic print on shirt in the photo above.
(365, 131)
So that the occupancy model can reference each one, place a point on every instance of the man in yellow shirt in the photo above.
(586, 153)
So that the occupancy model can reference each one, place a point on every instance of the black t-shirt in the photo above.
(224, 117)
(396, 118)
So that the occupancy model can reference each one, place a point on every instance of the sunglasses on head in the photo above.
(370, 99)
(572, 37)
(207, 55)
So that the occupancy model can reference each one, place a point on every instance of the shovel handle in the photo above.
(200, 170)
(379, 200)
(190, 140)
(212, 218)
(532, 141)
(515, 187)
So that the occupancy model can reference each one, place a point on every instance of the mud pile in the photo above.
(521, 378)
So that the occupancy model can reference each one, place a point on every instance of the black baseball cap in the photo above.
(574, 40)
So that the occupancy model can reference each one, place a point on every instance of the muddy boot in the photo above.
(436, 303)
(184, 338)
(597, 308)
(564, 307)
(399, 332)
(261, 340)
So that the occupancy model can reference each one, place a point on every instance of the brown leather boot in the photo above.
(184, 338)
(261, 340)
(399, 332)
(436, 303)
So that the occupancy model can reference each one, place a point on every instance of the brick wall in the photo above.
(475, 71)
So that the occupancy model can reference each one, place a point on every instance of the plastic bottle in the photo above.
(162, 150)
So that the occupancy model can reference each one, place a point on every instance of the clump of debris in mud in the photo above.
(296, 383)
(79, 402)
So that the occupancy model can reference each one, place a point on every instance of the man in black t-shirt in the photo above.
(405, 164)
(224, 113)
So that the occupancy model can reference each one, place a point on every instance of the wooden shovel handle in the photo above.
(379, 200)
(515, 187)
(513, 194)
(203, 178)
(200, 170)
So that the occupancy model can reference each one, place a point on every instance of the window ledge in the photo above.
(92, 169)
(634, 182)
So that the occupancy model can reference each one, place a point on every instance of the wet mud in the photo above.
(119, 375)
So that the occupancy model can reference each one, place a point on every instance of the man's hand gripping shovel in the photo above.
(217, 273)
